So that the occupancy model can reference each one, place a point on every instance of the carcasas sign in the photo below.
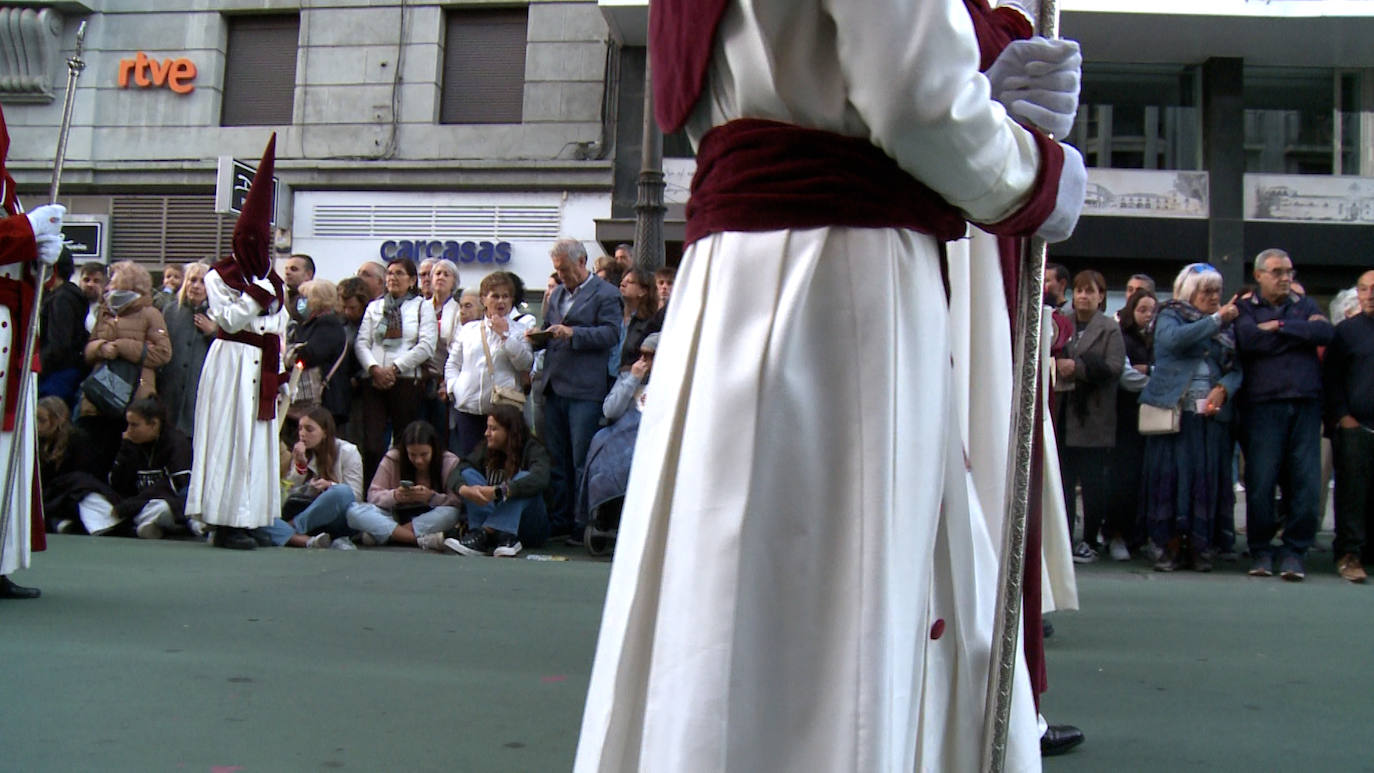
(458, 252)
(175, 74)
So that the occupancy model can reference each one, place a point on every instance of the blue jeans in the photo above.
(1282, 438)
(568, 429)
(326, 513)
(525, 518)
(371, 519)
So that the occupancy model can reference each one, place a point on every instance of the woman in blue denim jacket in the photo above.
(1188, 473)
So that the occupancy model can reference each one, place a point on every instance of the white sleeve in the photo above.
(231, 310)
(351, 469)
(454, 365)
(518, 348)
(362, 344)
(911, 72)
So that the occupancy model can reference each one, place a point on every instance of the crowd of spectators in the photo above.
(1167, 412)
(410, 415)
(403, 427)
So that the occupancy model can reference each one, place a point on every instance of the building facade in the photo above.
(472, 130)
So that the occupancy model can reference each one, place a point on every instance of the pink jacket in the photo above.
(382, 492)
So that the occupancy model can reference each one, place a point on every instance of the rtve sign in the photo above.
(175, 74)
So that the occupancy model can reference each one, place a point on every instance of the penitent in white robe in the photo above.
(800, 518)
(19, 494)
(235, 470)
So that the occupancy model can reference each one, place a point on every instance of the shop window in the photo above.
(484, 65)
(260, 70)
(1290, 120)
(1139, 117)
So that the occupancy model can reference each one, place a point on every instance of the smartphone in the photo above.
(407, 484)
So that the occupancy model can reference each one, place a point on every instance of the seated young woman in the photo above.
(502, 484)
(151, 471)
(327, 470)
(76, 496)
(406, 503)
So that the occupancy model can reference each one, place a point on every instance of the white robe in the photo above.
(18, 495)
(979, 331)
(799, 515)
(235, 466)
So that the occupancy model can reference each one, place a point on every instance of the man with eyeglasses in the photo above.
(1277, 335)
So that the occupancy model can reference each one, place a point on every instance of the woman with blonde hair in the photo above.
(191, 331)
(444, 282)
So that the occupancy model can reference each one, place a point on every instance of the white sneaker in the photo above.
(507, 546)
(147, 528)
(1119, 551)
(432, 541)
(343, 543)
(321, 541)
(197, 528)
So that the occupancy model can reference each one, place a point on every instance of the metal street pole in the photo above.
(649, 208)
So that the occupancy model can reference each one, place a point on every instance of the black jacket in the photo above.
(157, 470)
(62, 321)
(322, 339)
(535, 461)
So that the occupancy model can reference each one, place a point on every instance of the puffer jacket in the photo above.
(139, 323)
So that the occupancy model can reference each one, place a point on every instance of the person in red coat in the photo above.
(24, 238)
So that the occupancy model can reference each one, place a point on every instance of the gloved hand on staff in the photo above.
(1038, 80)
(47, 230)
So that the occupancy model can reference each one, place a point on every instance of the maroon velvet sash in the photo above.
(681, 36)
(757, 175)
(270, 378)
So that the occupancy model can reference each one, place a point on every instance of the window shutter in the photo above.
(484, 66)
(153, 230)
(260, 70)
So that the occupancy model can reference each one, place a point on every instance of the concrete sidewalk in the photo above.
(172, 656)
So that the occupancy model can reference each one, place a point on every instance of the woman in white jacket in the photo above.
(333, 469)
(395, 339)
(467, 376)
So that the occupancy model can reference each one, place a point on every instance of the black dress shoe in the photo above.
(1059, 739)
(9, 590)
(234, 539)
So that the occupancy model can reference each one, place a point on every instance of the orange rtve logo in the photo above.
(175, 73)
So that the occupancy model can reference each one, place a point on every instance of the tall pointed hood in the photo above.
(253, 231)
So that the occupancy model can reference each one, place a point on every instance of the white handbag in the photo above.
(1159, 421)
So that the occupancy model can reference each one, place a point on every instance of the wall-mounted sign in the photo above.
(175, 74)
(1309, 198)
(84, 236)
(456, 251)
(233, 178)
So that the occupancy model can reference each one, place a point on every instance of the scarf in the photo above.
(391, 314)
(119, 300)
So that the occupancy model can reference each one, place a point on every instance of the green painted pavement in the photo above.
(172, 656)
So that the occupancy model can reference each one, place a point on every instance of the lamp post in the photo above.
(649, 208)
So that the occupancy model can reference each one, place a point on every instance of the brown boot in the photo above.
(1349, 568)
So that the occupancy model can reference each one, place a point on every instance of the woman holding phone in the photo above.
(407, 503)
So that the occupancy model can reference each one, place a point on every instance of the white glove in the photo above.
(47, 219)
(1068, 205)
(49, 248)
(1038, 80)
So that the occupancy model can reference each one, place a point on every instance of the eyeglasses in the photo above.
(1282, 272)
